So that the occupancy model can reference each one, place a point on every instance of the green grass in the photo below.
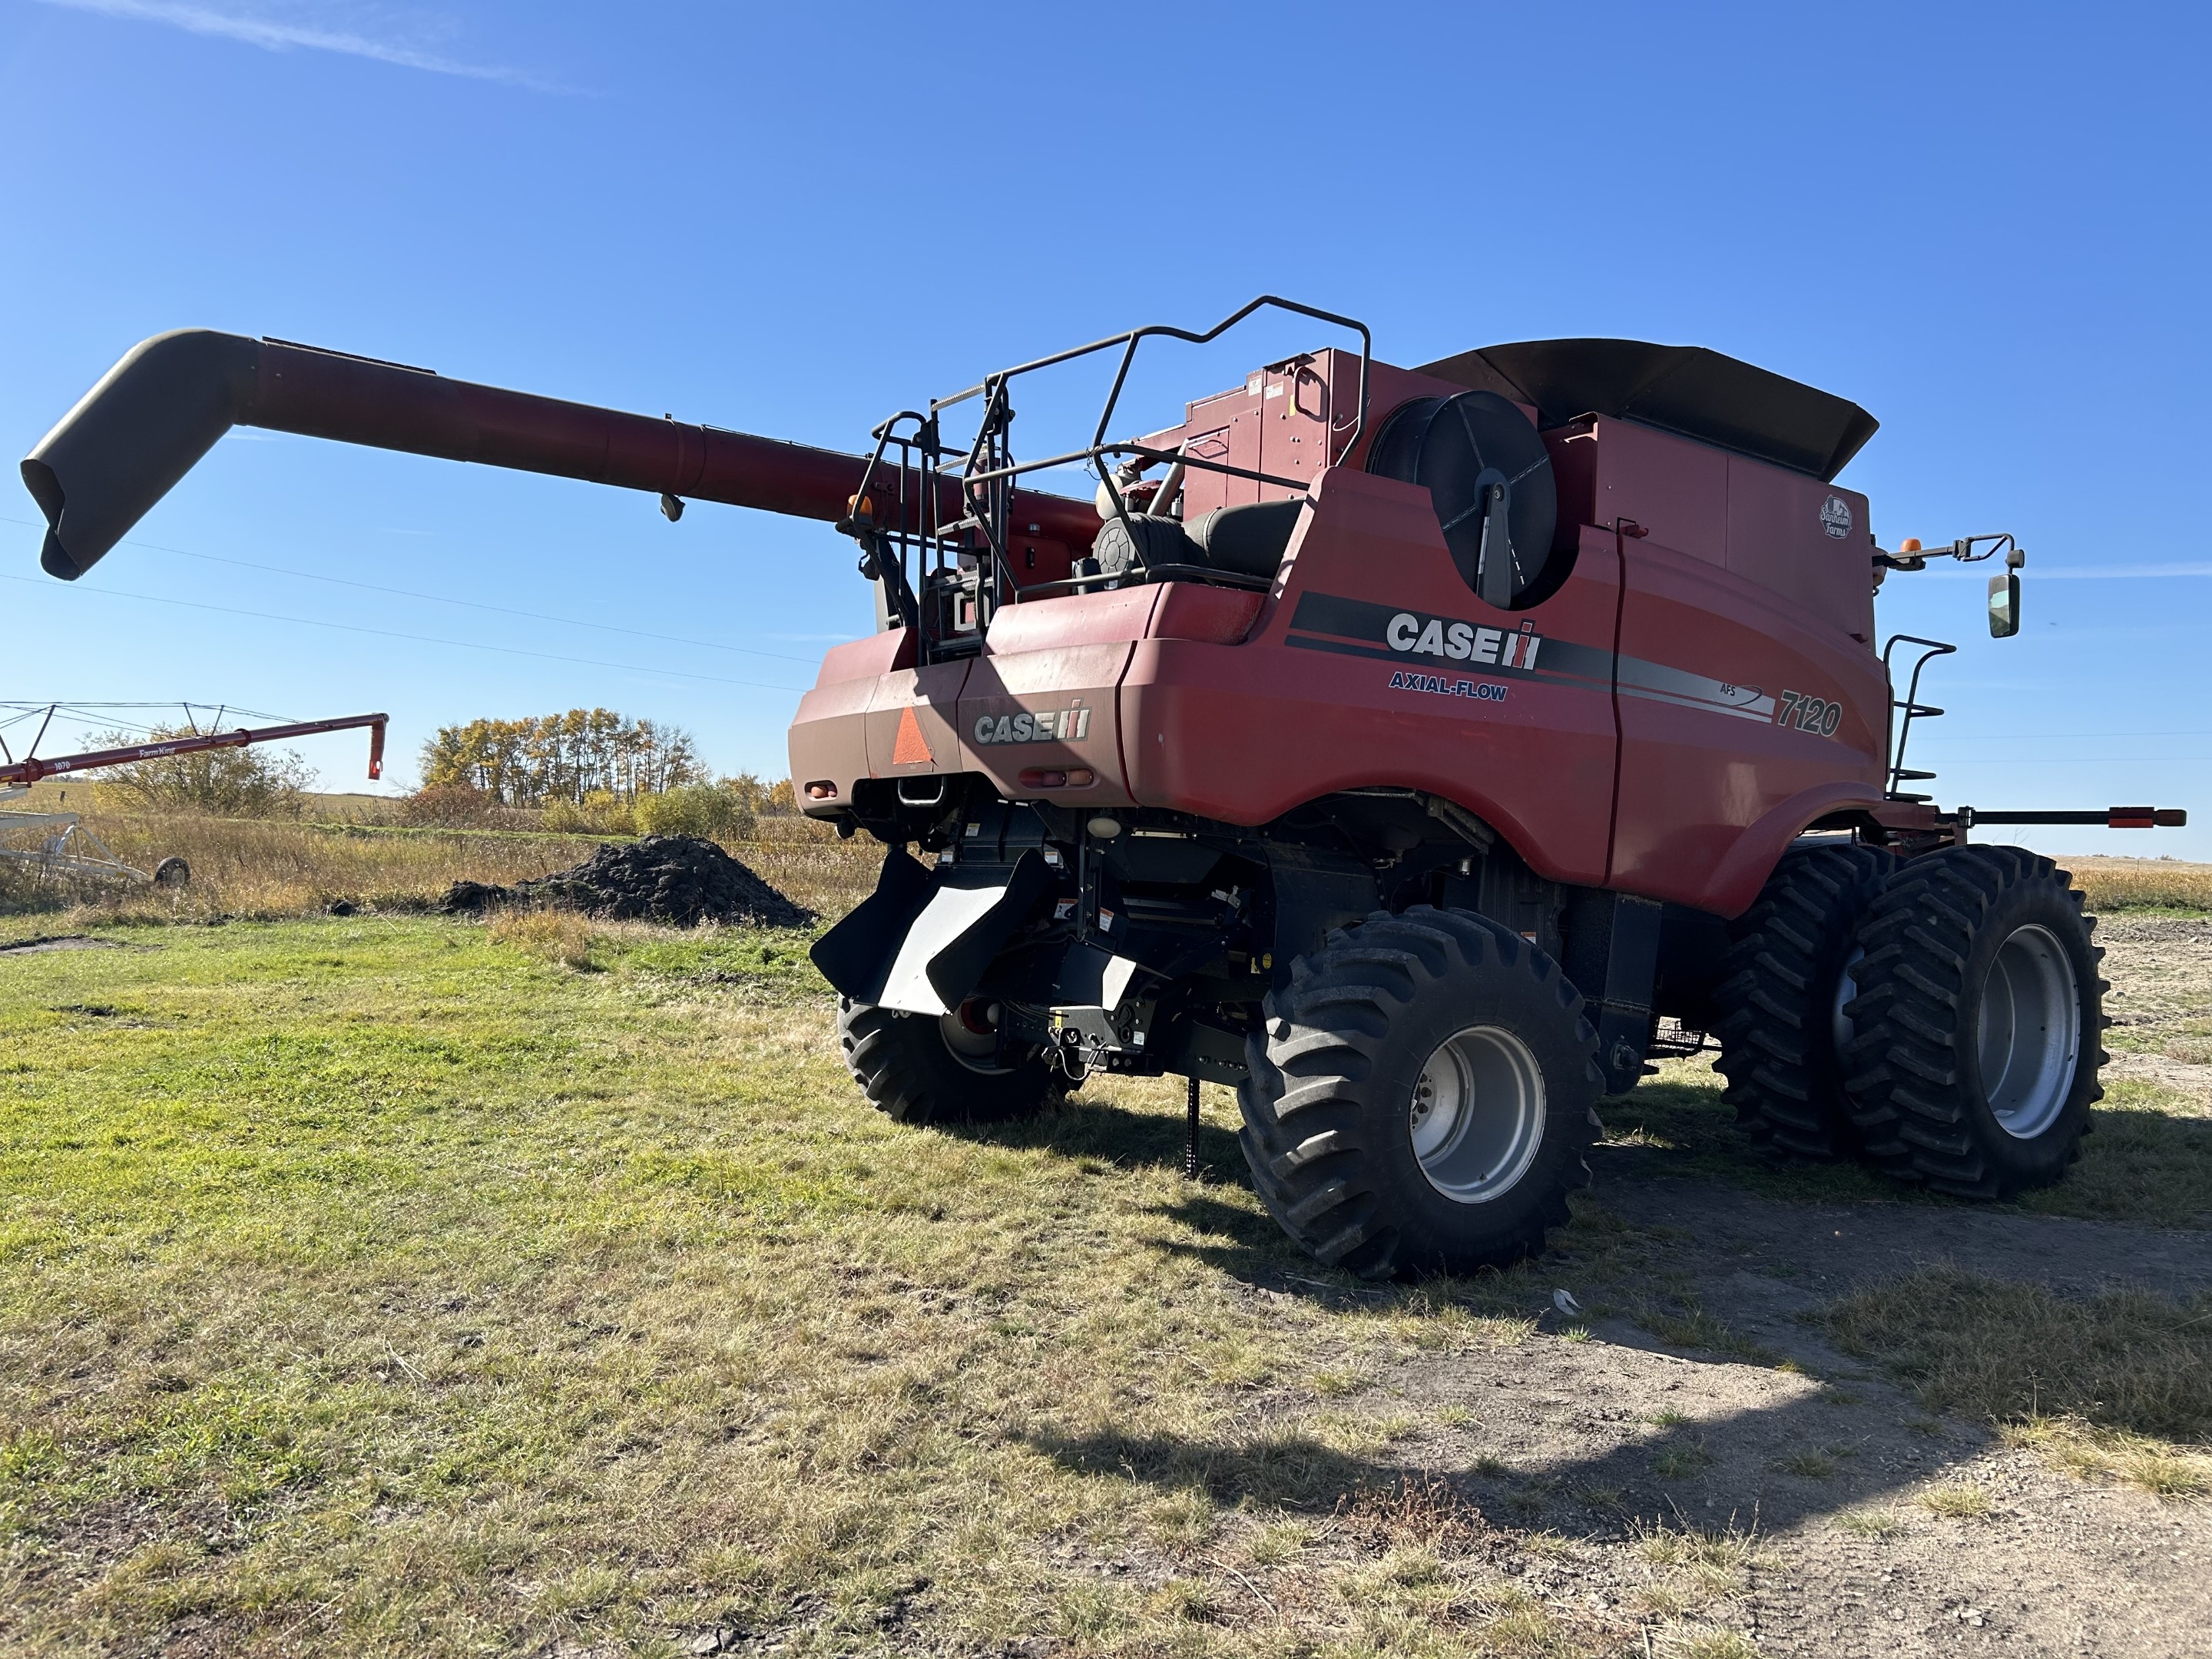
(378, 1286)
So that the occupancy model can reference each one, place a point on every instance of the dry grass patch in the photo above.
(1695, 1573)
(2082, 1449)
(1869, 1523)
(2142, 884)
(1957, 1500)
(2128, 1360)
(561, 937)
(1698, 1641)
(266, 869)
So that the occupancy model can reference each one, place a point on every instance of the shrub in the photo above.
(447, 806)
(714, 810)
(601, 812)
(231, 783)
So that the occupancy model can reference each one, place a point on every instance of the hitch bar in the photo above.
(2111, 817)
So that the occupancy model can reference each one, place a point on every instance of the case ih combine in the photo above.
(1401, 746)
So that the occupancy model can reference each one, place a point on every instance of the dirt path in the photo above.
(1835, 1472)
(1823, 1467)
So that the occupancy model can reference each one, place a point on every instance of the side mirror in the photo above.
(2004, 605)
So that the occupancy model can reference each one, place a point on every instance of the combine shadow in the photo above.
(2140, 1165)
(1087, 1127)
(1768, 1468)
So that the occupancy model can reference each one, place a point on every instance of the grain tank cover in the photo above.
(1687, 389)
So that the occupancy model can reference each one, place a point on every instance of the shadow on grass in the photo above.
(2142, 1163)
(1769, 1468)
(1669, 1126)
(1088, 1127)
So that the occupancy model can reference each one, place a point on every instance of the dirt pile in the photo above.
(681, 880)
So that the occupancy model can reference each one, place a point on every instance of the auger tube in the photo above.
(162, 408)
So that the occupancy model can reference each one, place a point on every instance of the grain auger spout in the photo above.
(163, 406)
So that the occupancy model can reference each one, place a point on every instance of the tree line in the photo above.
(584, 754)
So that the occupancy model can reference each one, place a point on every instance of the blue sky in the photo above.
(1986, 224)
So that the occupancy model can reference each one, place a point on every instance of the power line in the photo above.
(419, 638)
(440, 598)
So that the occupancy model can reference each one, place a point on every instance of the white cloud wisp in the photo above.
(275, 33)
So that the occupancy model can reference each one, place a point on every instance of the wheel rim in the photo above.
(1478, 1114)
(971, 1037)
(2028, 1038)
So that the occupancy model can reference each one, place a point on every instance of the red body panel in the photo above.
(1244, 733)
(1698, 770)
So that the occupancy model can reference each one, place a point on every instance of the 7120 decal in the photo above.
(1804, 713)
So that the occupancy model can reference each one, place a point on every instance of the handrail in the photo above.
(1913, 707)
(981, 479)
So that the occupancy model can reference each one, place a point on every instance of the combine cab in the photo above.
(1416, 751)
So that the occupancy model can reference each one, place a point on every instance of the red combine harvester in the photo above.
(1417, 751)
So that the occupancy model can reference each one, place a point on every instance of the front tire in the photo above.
(919, 1070)
(1977, 1024)
(1420, 1099)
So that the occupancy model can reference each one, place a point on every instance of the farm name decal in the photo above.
(1040, 725)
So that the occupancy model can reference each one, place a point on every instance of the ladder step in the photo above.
(1913, 777)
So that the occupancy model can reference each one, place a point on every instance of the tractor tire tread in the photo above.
(1771, 1009)
(1904, 1077)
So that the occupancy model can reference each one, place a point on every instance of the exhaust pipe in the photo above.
(155, 413)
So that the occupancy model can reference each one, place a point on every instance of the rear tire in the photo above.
(1978, 1024)
(905, 1064)
(1776, 1007)
(1420, 1099)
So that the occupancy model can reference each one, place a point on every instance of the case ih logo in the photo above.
(1459, 641)
(1044, 725)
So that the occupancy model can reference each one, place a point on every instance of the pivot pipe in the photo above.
(155, 413)
(29, 771)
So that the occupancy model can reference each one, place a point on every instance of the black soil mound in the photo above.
(681, 880)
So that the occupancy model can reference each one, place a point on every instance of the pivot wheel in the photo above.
(954, 1068)
(1974, 1045)
(1420, 1098)
(1786, 975)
